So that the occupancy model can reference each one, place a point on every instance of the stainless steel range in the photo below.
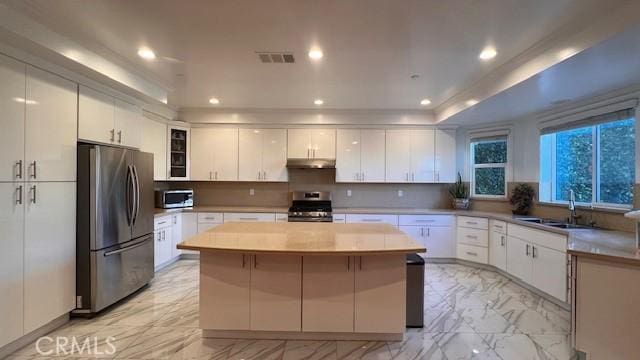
(310, 206)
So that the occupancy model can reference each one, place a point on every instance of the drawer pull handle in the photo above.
(372, 220)
(425, 220)
(498, 226)
(472, 222)
(472, 253)
(501, 240)
(162, 222)
(248, 219)
(472, 237)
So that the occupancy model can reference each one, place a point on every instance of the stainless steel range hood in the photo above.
(311, 163)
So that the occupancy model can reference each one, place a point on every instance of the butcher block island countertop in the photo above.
(304, 239)
(305, 281)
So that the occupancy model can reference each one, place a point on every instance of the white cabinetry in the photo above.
(105, 119)
(163, 242)
(12, 103)
(262, 155)
(311, 144)
(472, 238)
(214, 154)
(445, 156)
(176, 235)
(372, 219)
(154, 140)
(434, 232)
(208, 221)
(410, 156)
(249, 217)
(498, 244)
(360, 155)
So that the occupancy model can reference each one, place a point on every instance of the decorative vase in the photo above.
(461, 204)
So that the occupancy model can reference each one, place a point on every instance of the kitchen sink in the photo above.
(558, 224)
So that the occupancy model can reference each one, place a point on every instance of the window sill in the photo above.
(490, 198)
(613, 210)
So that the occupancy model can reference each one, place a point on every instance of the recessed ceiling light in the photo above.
(318, 101)
(425, 102)
(487, 53)
(146, 54)
(471, 102)
(214, 101)
(315, 54)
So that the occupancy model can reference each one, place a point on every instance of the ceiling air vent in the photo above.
(276, 57)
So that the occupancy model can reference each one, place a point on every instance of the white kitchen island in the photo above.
(303, 280)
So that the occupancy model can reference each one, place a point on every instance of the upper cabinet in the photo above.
(214, 154)
(178, 159)
(51, 123)
(410, 156)
(422, 156)
(154, 140)
(12, 103)
(311, 144)
(105, 119)
(262, 155)
(445, 159)
(360, 155)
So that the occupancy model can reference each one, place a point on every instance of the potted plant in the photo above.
(522, 198)
(460, 194)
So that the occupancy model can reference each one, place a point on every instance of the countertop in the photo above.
(599, 243)
(304, 239)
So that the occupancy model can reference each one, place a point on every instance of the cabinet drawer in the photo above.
(161, 222)
(498, 226)
(215, 218)
(538, 237)
(249, 217)
(282, 217)
(372, 219)
(473, 222)
(472, 236)
(473, 253)
(426, 220)
(339, 218)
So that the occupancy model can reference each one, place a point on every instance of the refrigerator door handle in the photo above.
(129, 195)
(121, 250)
(136, 193)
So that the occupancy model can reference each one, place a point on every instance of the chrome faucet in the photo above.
(572, 208)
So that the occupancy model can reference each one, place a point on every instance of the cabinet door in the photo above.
(372, 156)
(398, 156)
(550, 271)
(422, 156)
(327, 293)
(298, 143)
(128, 124)
(179, 151)
(154, 140)
(274, 155)
(224, 291)
(189, 228)
(51, 128)
(323, 143)
(276, 293)
(440, 242)
(445, 156)
(11, 261)
(96, 116)
(250, 155)
(49, 252)
(380, 294)
(519, 259)
(12, 102)
(202, 153)
(348, 156)
(176, 235)
(157, 248)
(416, 233)
(498, 250)
(225, 155)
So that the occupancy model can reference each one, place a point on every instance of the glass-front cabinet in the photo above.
(178, 153)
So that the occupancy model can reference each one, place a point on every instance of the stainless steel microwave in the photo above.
(169, 199)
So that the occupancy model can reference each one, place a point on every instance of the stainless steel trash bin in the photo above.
(415, 291)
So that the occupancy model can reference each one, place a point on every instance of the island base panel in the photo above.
(293, 335)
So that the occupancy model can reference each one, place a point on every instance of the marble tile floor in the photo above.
(470, 313)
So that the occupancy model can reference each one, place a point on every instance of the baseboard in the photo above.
(298, 335)
(194, 256)
(27, 339)
(542, 294)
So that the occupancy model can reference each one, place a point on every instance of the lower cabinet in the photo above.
(276, 293)
(518, 259)
(176, 234)
(162, 247)
(439, 241)
(498, 250)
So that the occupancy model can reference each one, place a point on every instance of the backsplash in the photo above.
(433, 196)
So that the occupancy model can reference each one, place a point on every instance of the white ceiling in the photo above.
(372, 47)
(611, 65)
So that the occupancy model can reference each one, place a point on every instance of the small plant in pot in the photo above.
(522, 198)
(460, 194)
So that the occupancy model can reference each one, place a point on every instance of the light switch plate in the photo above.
(348, 193)
(400, 193)
(252, 192)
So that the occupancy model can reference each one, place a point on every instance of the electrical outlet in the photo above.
(348, 193)
(252, 192)
(400, 193)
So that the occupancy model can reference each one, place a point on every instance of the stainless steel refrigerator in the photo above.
(114, 225)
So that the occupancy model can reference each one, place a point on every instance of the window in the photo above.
(489, 167)
(596, 161)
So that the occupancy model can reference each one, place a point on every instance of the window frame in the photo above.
(474, 166)
(595, 175)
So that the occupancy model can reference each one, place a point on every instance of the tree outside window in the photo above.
(489, 162)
